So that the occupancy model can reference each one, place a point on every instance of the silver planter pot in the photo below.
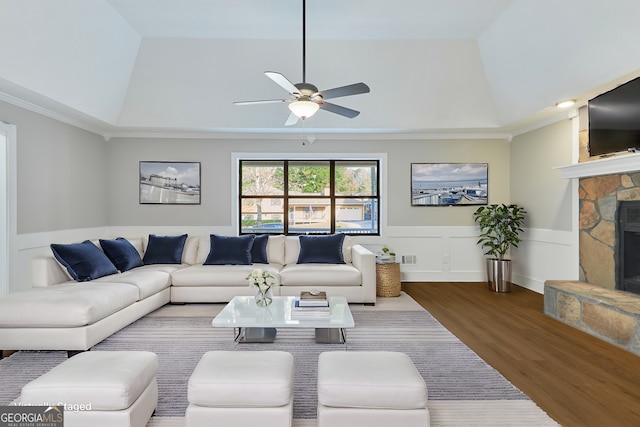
(499, 274)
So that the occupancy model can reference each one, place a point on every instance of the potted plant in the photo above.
(500, 228)
(387, 255)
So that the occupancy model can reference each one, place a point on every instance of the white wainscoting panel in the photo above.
(443, 254)
(32, 245)
(29, 246)
(545, 255)
(465, 253)
(141, 231)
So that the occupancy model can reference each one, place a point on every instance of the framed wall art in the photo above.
(170, 183)
(449, 184)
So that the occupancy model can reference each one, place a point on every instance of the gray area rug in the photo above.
(452, 371)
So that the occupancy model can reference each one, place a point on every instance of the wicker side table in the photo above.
(388, 279)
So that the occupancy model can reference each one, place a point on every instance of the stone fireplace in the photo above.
(596, 302)
(600, 198)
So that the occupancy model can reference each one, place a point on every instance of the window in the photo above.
(309, 196)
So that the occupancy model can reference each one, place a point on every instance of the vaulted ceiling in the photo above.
(433, 66)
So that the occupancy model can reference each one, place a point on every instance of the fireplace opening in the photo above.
(628, 265)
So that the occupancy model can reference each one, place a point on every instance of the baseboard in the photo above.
(528, 283)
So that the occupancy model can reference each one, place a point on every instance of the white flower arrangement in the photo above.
(263, 280)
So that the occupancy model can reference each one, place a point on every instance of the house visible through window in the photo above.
(309, 196)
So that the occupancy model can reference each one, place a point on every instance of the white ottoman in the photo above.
(100, 388)
(372, 389)
(241, 388)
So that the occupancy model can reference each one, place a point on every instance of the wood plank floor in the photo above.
(579, 380)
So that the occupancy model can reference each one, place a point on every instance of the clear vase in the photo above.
(264, 298)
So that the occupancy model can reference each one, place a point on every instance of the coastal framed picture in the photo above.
(169, 183)
(449, 184)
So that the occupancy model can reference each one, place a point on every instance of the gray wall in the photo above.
(69, 178)
(61, 172)
(534, 184)
(124, 154)
(401, 155)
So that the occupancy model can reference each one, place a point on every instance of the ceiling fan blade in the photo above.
(265, 101)
(292, 120)
(282, 81)
(354, 89)
(343, 111)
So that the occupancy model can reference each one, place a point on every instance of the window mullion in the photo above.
(332, 194)
(285, 219)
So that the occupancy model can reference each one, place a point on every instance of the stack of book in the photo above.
(313, 299)
(311, 305)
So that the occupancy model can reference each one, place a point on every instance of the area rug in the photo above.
(463, 390)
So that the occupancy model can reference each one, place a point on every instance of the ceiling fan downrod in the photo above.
(304, 41)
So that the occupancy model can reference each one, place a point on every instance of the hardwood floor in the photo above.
(579, 380)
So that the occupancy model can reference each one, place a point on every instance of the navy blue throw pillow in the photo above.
(232, 250)
(121, 253)
(321, 249)
(164, 249)
(259, 249)
(84, 261)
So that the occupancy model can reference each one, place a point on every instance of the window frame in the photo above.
(375, 197)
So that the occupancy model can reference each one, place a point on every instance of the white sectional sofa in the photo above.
(60, 313)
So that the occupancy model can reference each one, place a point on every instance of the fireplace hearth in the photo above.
(628, 249)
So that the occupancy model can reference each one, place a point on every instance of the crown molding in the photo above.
(108, 131)
(64, 118)
(272, 134)
(544, 122)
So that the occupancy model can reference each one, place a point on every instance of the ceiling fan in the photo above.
(306, 98)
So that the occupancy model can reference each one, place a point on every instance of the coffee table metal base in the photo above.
(255, 335)
(268, 335)
(331, 336)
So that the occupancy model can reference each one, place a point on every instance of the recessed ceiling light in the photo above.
(566, 103)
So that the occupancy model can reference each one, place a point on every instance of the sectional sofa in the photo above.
(77, 300)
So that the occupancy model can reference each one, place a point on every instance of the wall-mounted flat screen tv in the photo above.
(614, 120)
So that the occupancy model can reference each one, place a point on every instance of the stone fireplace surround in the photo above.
(592, 304)
(599, 199)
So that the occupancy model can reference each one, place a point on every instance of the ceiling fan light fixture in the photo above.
(304, 109)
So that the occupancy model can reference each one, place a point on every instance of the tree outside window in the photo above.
(318, 196)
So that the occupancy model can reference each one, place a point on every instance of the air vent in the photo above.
(408, 259)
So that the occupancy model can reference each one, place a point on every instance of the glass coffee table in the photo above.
(251, 323)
